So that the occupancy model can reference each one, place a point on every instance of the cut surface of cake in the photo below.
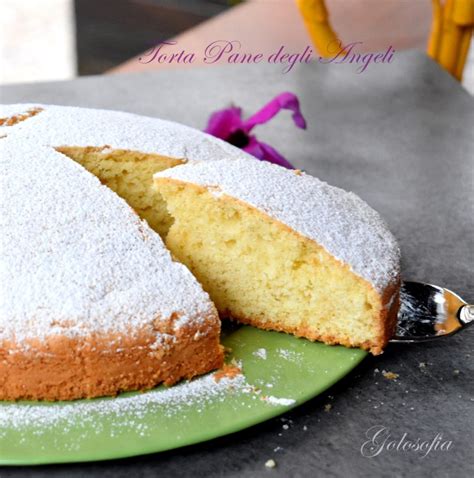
(123, 150)
(281, 250)
(91, 301)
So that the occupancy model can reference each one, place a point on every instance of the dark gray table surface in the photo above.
(400, 136)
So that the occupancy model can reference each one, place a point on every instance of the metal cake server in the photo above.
(428, 312)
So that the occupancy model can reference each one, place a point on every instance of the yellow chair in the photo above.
(451, 34)
(448, 44)
(316, 19)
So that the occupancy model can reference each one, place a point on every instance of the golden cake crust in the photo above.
(65, 368)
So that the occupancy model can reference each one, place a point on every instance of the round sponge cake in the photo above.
(92, 302)
(282, 250)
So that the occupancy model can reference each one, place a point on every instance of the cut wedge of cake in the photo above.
(281, 250)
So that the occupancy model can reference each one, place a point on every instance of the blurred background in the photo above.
(42, 40)
(57, 39)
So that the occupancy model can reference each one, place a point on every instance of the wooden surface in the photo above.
(265, 25)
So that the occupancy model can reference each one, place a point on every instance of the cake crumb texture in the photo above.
(284, 251)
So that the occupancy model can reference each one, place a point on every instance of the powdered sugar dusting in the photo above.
(71, 126)
(279, 401)
(75, 258)
(340, 221)
(290, 355)
(83, 413)
(132, 411)
(260, 353)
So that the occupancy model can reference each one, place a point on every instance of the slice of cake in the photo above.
(281, 250)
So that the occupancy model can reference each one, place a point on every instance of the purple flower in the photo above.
(228, 125)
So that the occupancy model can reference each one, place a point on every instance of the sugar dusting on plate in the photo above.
(261, 353)
(171, 401)
(129, 411)
(289, 355)
(279, 401)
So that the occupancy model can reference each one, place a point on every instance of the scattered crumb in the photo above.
(277, 401)
(285, 426)
(456, 372)
(277, 449)
(289, 355)
(227, 371)
(253, 390)
(260, 353)
(376, 370)
(270, 463)
(327, 407)
(390, 375)
(305, 427)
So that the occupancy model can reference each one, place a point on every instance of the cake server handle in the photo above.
(429, 312)
(466, 314)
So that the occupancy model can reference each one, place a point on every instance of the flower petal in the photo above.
(287, 101)
(224, 122)
(253, 148)
(265, 152)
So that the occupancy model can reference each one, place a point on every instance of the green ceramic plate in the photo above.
(279, 373)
